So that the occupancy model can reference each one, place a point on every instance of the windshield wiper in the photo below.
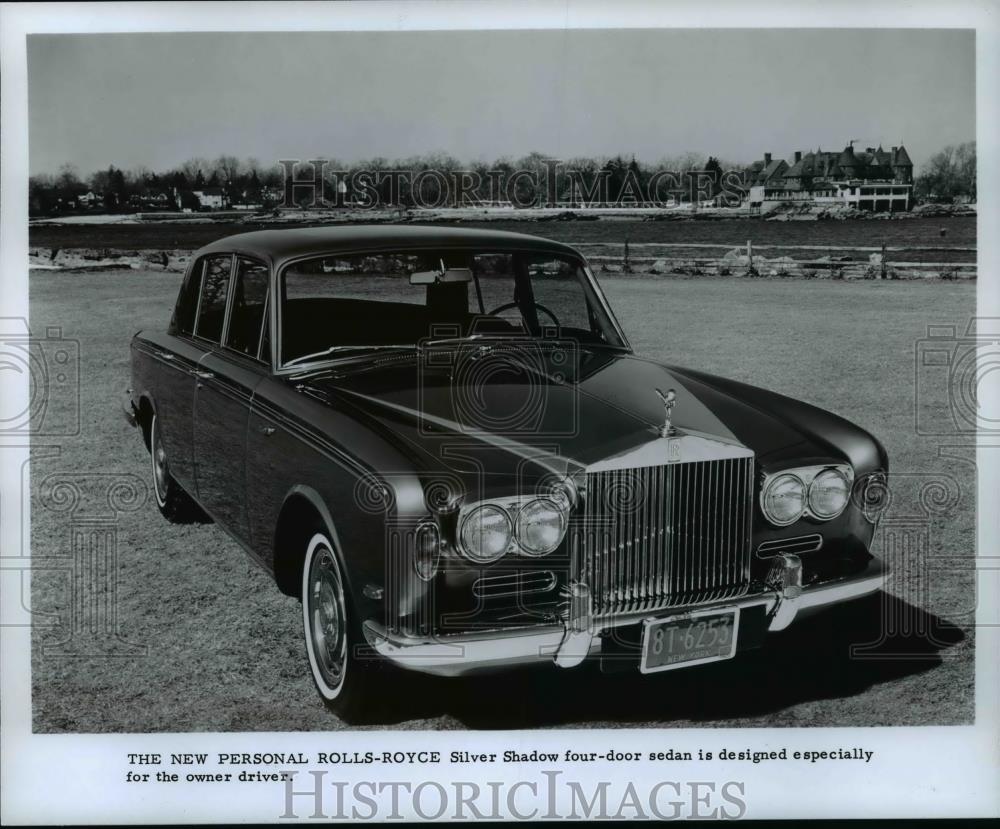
(338, 349)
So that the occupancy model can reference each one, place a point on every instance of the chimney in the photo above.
(767, 159)
(798, 156)
(892, 158)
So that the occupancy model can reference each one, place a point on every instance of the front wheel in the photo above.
(343, 668)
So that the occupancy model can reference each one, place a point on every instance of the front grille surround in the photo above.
(666, 535)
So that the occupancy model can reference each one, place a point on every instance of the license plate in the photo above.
(691, 639)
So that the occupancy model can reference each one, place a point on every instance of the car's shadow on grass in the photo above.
(837, 653)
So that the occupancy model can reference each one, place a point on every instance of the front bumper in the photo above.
(128, 409)
(569, 643)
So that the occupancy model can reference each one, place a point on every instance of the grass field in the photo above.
(210, 644)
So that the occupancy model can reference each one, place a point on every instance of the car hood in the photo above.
(579, 406)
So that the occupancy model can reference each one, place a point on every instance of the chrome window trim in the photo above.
(225, 311)
(230, 294)
(279, 369)
(596, 288)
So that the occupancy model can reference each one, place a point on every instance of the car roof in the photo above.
(279, 246)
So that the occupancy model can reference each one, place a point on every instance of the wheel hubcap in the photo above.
(327, 617)
(160, 473)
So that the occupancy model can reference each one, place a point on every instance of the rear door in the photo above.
(225, 381)
(175, 358)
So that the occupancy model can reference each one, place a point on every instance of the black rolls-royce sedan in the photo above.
(441, 441)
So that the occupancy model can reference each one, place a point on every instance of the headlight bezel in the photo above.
(466, 515)
(512, 507)
(848, 485)
(806, 475)
(770, 483)
(546, 503)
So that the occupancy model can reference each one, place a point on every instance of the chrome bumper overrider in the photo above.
(128, 409)
(569, 643)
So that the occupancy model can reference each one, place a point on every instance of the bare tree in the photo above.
(948, 173)
(228, 168)
(193, 166)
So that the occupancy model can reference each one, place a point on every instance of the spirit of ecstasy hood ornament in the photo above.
(669, 400)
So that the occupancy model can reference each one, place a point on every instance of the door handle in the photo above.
(267, 430)
(164, 355)
(203, 375)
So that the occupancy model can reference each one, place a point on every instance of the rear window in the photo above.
(187, 300)
(212, 303)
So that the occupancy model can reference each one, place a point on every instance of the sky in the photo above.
(160, 99)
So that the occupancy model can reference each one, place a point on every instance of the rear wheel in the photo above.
(343, 667)
(172, 501)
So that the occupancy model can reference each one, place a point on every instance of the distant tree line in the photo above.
(535, 178)
(117, 190)
(948, 174)
(230, 181)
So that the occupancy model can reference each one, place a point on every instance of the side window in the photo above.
(212, 306)
(249, 303)
(187, 300)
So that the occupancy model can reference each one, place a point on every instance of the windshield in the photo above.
(333, 304)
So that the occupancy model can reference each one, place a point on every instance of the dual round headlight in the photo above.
(786, 497)
(829, 493)
(536, 529)
(539, 527)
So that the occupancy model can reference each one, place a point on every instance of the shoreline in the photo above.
(778, 211)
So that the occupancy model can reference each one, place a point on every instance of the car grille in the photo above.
(666, 536)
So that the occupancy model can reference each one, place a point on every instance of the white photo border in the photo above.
(915, 772)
